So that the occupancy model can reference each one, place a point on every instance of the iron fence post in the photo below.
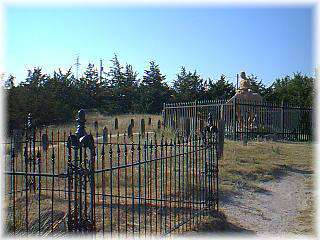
(196, 115)
(282, 119)
(234, 119)
(164, 115)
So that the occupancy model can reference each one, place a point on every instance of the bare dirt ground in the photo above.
(275, 208)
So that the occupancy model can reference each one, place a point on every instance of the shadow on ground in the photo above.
(283, 170)
(217, 223)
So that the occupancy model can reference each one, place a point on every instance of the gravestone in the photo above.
(17, 140)
(116, 124)
(44, 142)
(105, 135)
(142, 127)
(130, 134)
(245, 140)
(95, 124)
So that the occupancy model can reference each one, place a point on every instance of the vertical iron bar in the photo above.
(235, 119)
(64, 163)
(132, 186)
(161, 185)
(111, 186)
(118, 181)
(156, 179)
(103, 186)
(52, 183)
(145, 186)
(139, 184)
(13, 187)
(39, 189)
(69, 172)
(26, 183)
(58, 160)
(125, 182)
(170, 185)
(179, 180)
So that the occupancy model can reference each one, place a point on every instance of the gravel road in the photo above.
(273, 209)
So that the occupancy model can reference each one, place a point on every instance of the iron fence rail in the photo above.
(243, 119)
(80, 183)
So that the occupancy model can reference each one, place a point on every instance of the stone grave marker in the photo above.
(105, 135)
(44, 142)
(116, 126)
(142, 127)
(130, 134)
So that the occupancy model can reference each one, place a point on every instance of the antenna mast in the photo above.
(77, 64)
(101, 70)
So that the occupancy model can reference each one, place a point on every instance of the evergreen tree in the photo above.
(88, 86)
(256, 85)
(124, 86)
(154, 92)
(220, 89)
(188, 86)
(297, 90)
(9, 83)
(130, 89)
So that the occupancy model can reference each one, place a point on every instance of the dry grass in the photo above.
(244, 167)
(261, 161)
(108, 121)
(241, 167)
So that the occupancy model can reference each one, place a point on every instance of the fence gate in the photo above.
(81, 184)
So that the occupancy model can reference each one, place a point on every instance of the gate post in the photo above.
(80, 171)
(213, 141)
(31, 137)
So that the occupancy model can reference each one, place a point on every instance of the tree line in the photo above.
(56, 98)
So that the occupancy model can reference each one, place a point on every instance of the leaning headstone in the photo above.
(132, 122)
(116, 124)
(105, 135)
(44, 142)
(130, 134)
(142, 127)
(149, 121)
(159, 124)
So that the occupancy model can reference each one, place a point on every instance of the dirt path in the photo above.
(273, 209)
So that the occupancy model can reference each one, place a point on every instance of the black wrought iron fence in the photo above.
(242, 118)
(62, 182)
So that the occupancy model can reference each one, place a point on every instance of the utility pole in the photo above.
(101, 70)
(77, 64)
